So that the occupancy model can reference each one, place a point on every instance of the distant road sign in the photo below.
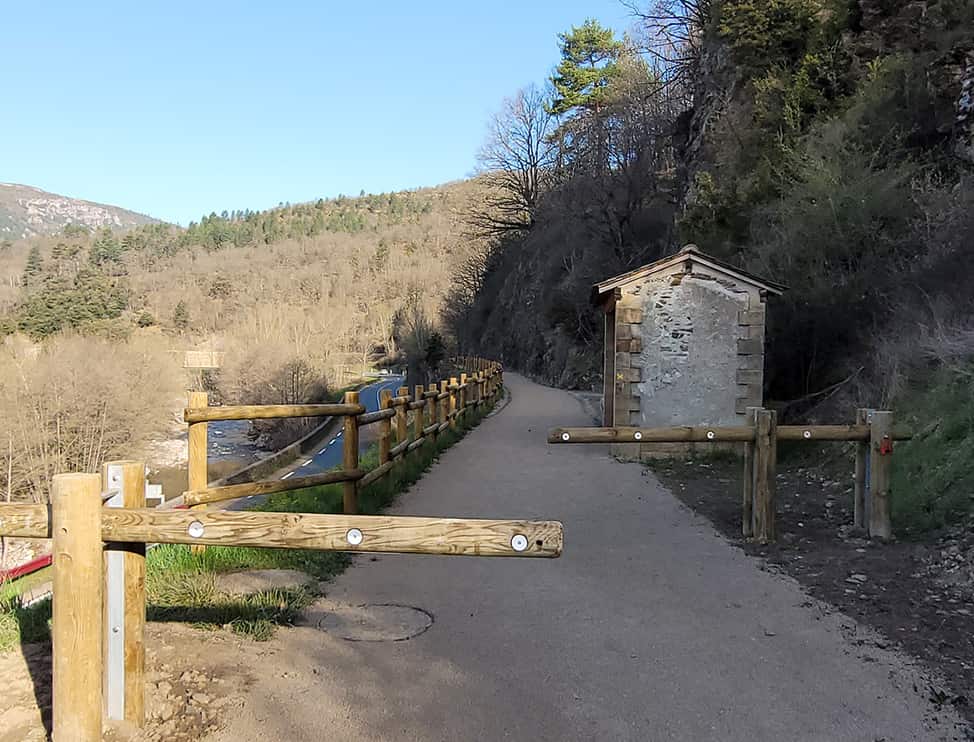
(202, 359)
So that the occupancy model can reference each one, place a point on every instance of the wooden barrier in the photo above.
(350, 457)
(873, 433)
(435, 409)
(77, 618)
(124, 651)
(99, 600)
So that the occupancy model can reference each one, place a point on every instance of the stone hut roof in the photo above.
(688, 257)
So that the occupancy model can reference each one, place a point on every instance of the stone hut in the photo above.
(684, 343)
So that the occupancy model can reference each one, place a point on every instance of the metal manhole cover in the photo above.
(386, 622)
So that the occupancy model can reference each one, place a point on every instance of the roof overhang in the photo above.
(687, 258)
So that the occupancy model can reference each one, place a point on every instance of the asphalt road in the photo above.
(331, 452)
(651, 627)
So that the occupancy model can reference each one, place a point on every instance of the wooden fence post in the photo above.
(402, 424)
(880, 474)
(464, 395)
(862, 466)
(765, 469)
(78, 621)
(747, 502)
(454, 393)
(443, 406)
(350, 457)
(419, 415)
(197, 477)
(124, 647)
(385, 427)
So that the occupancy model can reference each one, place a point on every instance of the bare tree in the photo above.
(671, 34)
(516, 160)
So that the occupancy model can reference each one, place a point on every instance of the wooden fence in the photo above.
(873, 434)
(443, 405)
(100, 528)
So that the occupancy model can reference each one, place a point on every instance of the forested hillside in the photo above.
(94, 320)
(824, 144)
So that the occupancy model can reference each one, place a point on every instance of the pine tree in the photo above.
(180, 316)
(34, 267)
(589, 62)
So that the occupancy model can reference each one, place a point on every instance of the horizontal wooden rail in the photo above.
(250, 489)
(377, 473)
(702, 434)
(374, 417)
(429, 429)
(399, 449)
(269, 412)
(416, 444)
(387, 534)
(25, 521)
(417, 405)
(650, 435)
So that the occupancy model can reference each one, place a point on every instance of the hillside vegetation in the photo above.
(95, 320)
(825, 144)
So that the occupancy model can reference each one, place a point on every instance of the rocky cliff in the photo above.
(27, 212)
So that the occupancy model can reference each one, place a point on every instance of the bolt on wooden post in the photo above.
(350, 457)
(77, 626)
(197, 477)
(880, 474)
(124, 643)
(765, 470)
(402, 423)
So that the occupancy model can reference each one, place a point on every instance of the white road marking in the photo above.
(289, 474)
(323, 450)
(307, 462)
(332, 441)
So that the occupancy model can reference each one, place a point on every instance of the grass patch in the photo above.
(13, 589)
(20, 624)
(933, 475)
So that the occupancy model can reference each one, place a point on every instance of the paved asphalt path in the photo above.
(650, 627)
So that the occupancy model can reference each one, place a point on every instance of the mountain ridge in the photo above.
(27, 211)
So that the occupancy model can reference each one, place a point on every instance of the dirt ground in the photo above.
(194, 681)
(919, 595)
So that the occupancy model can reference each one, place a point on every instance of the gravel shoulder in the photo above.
(917, 595)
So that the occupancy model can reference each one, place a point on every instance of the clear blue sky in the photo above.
(178, 108)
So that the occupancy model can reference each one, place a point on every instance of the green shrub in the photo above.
(933, 474)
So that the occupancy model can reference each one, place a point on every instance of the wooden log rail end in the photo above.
(22, 520)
